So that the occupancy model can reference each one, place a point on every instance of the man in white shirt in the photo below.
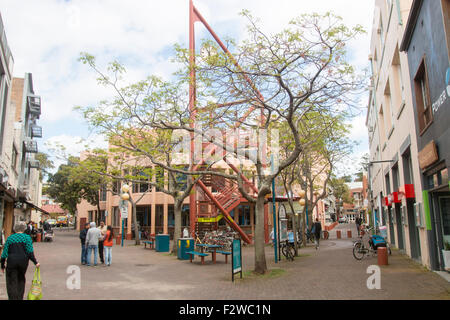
(92, 238)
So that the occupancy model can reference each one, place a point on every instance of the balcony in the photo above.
(36, 131)
(34, 105)
(34, 164)
(31, 146)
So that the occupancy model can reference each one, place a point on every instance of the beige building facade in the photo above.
(394, 175)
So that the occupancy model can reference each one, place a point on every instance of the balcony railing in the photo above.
(36, 131)
(31, 146)
(34, 164)
(34, 103)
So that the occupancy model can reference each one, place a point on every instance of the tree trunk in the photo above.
(260, 255)
(136, 229)
(178, 205)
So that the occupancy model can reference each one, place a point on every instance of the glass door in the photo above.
(444, 203)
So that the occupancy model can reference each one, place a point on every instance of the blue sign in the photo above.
(236, 253)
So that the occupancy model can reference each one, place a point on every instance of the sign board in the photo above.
(282, 212)
(123, 206)
(283, 230)
(236, 253)
(428, 155)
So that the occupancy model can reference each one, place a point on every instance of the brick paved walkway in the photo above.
(137, 273)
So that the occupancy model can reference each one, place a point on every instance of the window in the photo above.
(159, 178)
(388, 184)
(395, 178)
(397, 88)
(103, 193)
(141, 187)
(116, 217)
(14, 158)
(407, 168)
(4, 96)
(388, 116)
(423, 101)
(381, 32)
(116, 187)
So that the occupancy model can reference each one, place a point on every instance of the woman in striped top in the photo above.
(18, 249)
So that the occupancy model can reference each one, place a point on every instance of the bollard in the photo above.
(38, 237)
(338, 234)
(119, 239)
(349, 234)
(382, 256)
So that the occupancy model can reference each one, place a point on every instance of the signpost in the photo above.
(236, 254)
(123, 205)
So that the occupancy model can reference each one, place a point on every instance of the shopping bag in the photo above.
(35, 292)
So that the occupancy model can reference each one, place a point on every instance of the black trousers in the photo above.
(100, 251)
(15, 281)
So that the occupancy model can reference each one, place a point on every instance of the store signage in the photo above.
(428, 155)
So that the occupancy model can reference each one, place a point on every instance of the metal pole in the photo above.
(123, 222)
(275, 239)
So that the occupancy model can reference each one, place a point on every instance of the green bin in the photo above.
(162, 242)
(185, 245)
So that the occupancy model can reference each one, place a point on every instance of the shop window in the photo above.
(423, 101)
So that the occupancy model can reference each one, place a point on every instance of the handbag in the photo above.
(35, 292)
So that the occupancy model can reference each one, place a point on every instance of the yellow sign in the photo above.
(210, 220)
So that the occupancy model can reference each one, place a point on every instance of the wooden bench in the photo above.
(195, 253)
(150, 243)
(225, 253)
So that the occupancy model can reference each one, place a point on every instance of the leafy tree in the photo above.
(63, 188)
(284, 77)
(45, 164)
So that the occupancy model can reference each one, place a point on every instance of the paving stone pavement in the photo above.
(137, 273)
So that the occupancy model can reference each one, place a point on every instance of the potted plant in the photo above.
(446, 255)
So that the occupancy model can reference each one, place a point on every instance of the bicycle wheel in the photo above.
(358, 251)
(290, 253)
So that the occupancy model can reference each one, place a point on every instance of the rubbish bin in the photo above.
(185, 245)
(162, 242)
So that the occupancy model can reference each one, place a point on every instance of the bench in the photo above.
(195, 253)
(225, 253)
(150, 243)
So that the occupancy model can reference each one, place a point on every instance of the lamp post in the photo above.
(125, 196)
(302, 202)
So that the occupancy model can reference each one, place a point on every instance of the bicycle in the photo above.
(288, 250)
(360, 249)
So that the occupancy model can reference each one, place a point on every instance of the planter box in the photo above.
(446, 255)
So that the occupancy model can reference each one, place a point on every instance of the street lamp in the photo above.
(125, 196)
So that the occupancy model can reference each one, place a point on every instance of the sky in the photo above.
(46, 38)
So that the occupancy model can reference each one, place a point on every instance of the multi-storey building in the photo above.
(427, 44)
(7, 156)
(395, 188)
(27, 108)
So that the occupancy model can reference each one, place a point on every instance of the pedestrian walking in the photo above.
(103, 229)
(92, 237)
(83, 234)
(108, 244)
(316, 230)
(17, 251)
(358, 224)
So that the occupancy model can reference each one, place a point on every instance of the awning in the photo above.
(36, 207)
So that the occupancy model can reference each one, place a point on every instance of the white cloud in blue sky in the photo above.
(47, 36)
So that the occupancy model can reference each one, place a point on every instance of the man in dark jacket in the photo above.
(317, 229)
(83, 234)
(358, 223)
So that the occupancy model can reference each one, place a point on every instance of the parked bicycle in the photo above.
(288, 250)
(360, 249)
